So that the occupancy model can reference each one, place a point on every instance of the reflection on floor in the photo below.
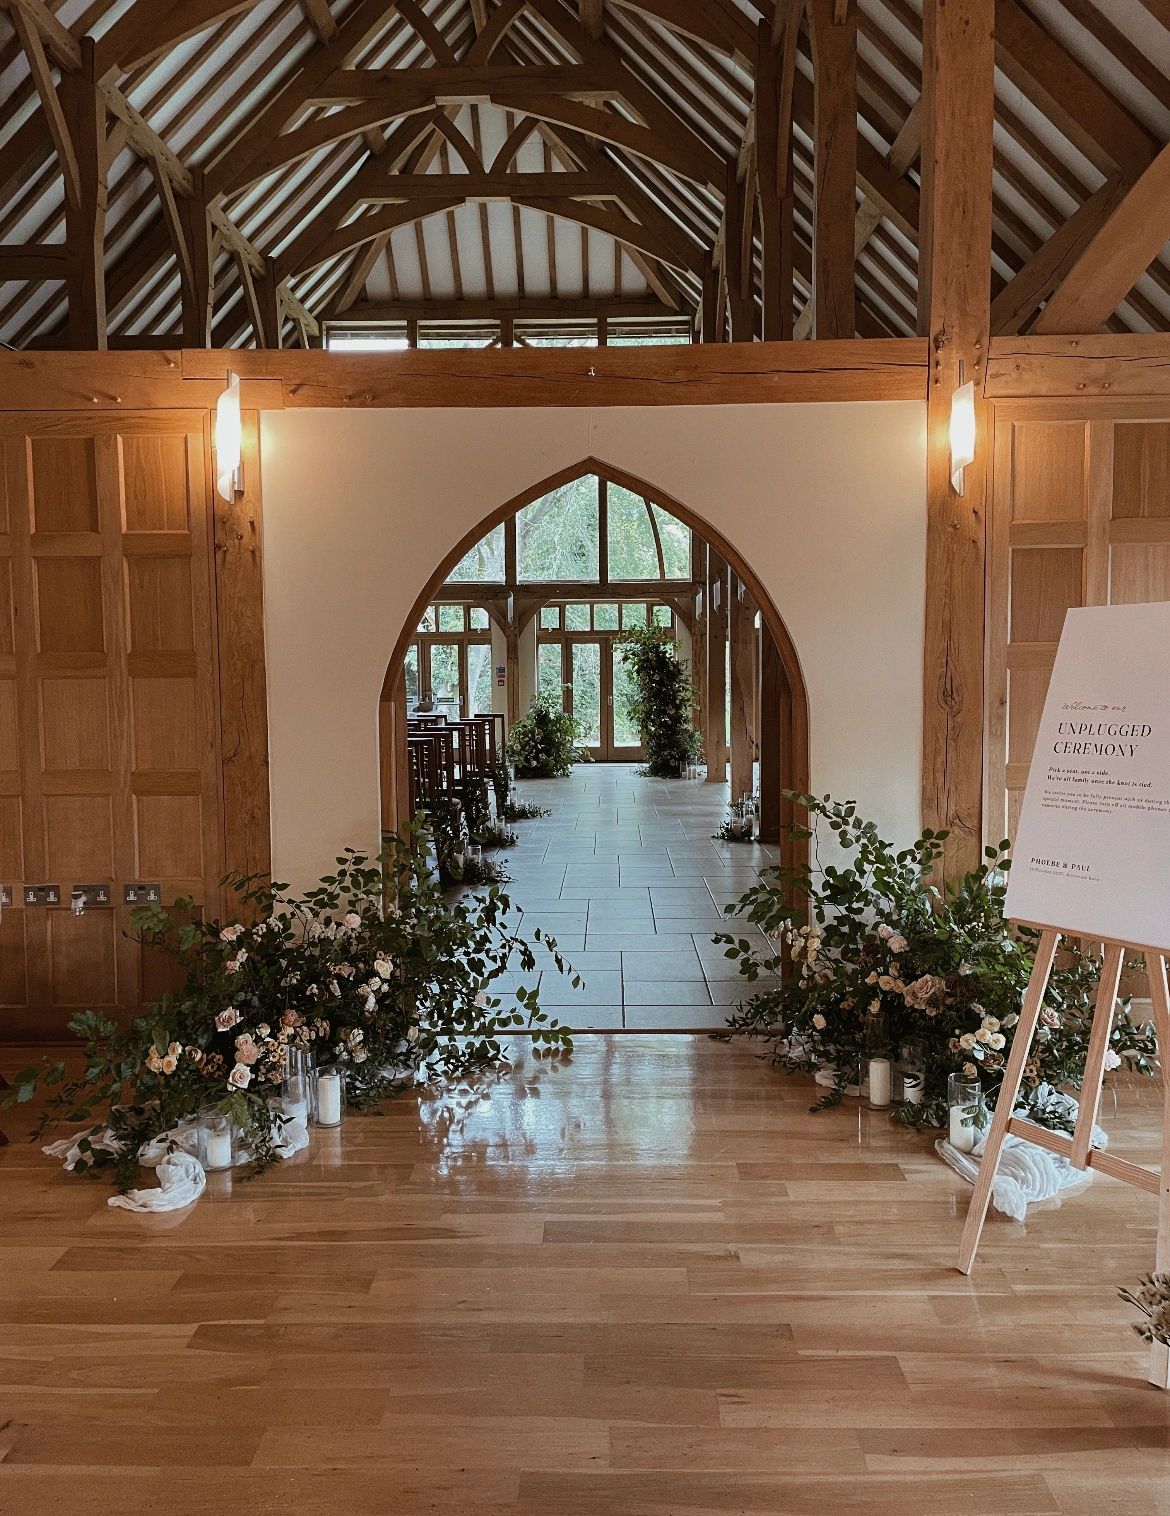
(641, 1282)
(625, 875)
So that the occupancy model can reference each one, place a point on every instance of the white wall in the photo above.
(825, 502)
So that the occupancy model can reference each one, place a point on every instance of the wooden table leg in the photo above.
(1008, 1090)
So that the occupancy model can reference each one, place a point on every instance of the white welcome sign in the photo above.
(1092, 850)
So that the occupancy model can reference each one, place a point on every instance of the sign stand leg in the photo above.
(1159, 1373)
(1012, 1076)
(1090, 1100)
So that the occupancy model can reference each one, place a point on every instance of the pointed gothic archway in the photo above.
(784, 715)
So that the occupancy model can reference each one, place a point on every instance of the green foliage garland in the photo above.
(946, 969)
(381, 992)
(663, 701)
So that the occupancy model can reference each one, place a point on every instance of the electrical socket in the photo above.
(92, 894)
(42, 894)
(141, 894)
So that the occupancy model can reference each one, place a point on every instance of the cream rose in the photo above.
(240, 1077)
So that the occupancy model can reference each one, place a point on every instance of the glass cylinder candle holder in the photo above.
(296, 1090)
(878, 1065)
(328, 1097)
(217, 1144)
(965, 1112)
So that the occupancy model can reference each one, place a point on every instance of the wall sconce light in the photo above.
(698, 603)
(229, 464)
(716, 594)
(962, 430)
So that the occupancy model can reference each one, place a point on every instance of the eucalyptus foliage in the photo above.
(876, 937)
(392, 994)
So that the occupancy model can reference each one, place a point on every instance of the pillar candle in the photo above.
(329, 1100)
(219, 1149)
(880, 1076)
(962, 1129)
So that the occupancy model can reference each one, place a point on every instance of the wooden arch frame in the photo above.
(786, 678)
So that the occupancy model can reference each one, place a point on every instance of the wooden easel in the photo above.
(1076, 1148)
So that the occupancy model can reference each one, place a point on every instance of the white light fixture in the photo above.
(229, 464)
(962, 431)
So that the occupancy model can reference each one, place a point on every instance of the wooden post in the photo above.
(699, 639)
(833, 24)
(954, 310)
(715, 719)
(268, 301)
(739, 290)
(243, 697)
(197, 307)
(773, 723)
(85, 212)
(743, 637)
(709, 318)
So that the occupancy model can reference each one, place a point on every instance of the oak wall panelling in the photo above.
(1080, 516)
(109, 697)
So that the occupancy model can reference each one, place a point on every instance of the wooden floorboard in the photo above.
(644, 1283)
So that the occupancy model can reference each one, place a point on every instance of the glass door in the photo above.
(625, 740)
(589, 699)
(447, 677)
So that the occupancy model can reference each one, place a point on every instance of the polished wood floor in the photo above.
(643, 1283)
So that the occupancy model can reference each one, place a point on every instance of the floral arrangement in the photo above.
(388, 994)
(877, 943)
(740, 821)
(663, 701)
(1152, 1299)
(526, 810)
(546, 742)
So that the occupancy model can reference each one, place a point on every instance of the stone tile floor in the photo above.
(625, 875)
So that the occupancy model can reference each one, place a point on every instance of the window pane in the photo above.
(550, 618)
(427, 624)
(450, 618)
(445, 673)
(662, 616)
(557, 536)
(625, 732)
(485, 560)
(634, 614)
(676, 544)
(548, 671)
(605, 618)
(587, 690)
(411, 665)
(576, 618)
(632, 554)
(478, 618)
(479, 677)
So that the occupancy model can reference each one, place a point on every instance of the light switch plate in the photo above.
(141, 894)
(42, 894)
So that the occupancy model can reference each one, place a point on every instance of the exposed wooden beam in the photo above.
(1119, 252)
(592, 14)
(958, 95)
(85, 219)
(899, 160)
(714, 23)
(1026, 291)
(42, 76)
(775, 83)
(414, 89)
(200, 295)
(150, 27)
(34, 261)
(1073, 100)
(568, 186)
(320, 18)
(833, 25)
(373, 313)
